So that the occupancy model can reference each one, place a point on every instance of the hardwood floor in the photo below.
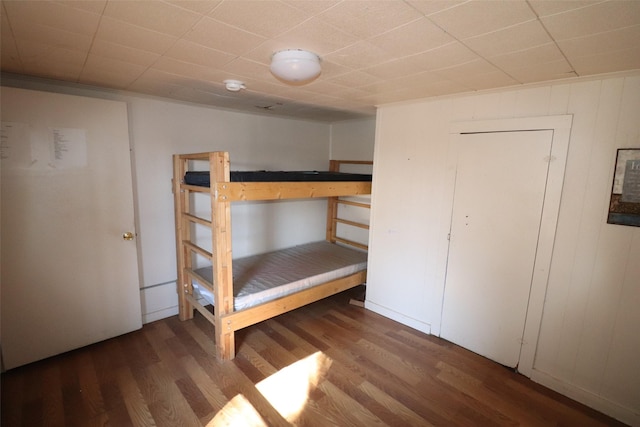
(329, 363)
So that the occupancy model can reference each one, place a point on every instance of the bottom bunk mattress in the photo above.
(265, 277)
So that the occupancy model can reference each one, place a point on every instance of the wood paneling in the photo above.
(374, 372)
(588, 344)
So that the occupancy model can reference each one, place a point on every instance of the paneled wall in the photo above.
(589, 342)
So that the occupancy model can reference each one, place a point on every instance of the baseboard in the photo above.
(599, 403)
(398, 317)
(160, 314)
(158, 302)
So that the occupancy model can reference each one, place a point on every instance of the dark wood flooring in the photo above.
(326, 364)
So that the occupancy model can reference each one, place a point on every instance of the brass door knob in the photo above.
(127, 236)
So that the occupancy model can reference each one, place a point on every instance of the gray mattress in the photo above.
(265, 277)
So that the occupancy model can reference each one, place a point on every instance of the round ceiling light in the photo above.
(295, 65)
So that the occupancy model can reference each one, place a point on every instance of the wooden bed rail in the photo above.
(183, 232)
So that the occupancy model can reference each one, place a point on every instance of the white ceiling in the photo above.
(373, 52)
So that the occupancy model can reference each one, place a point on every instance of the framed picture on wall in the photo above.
(624, 206)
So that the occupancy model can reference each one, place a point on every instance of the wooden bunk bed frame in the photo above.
(223, 192)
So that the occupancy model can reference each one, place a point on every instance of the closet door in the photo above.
(69, 270)
(497, 211)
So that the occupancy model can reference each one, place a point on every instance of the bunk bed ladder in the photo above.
(332, 209)
(333, 219)
(220, 257)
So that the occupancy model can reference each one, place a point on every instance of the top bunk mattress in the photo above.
(265, 277)
(201, 178)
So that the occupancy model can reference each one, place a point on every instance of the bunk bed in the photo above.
(249, 290)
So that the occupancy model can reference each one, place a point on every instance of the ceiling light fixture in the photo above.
(295, 65)
(234, 85)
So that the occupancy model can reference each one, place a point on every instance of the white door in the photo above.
(69, 278)
(499, 193)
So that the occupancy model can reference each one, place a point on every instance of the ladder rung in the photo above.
(203, 310)
(197, 219)
(198, 249)
(352, 243)
(195, 188)
(352, 223)
(201, 280)
(349, 202)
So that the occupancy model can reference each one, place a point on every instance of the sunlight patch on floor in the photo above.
(287, 391)
(238, 412)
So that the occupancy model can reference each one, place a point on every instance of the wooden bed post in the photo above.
(183, 233)
(222, 254)
(332, 207)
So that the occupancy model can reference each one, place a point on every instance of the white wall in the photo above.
(589, 342)
(353, 139)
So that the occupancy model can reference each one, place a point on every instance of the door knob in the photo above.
(127, 236)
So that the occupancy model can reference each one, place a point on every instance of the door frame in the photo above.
(560, 125)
